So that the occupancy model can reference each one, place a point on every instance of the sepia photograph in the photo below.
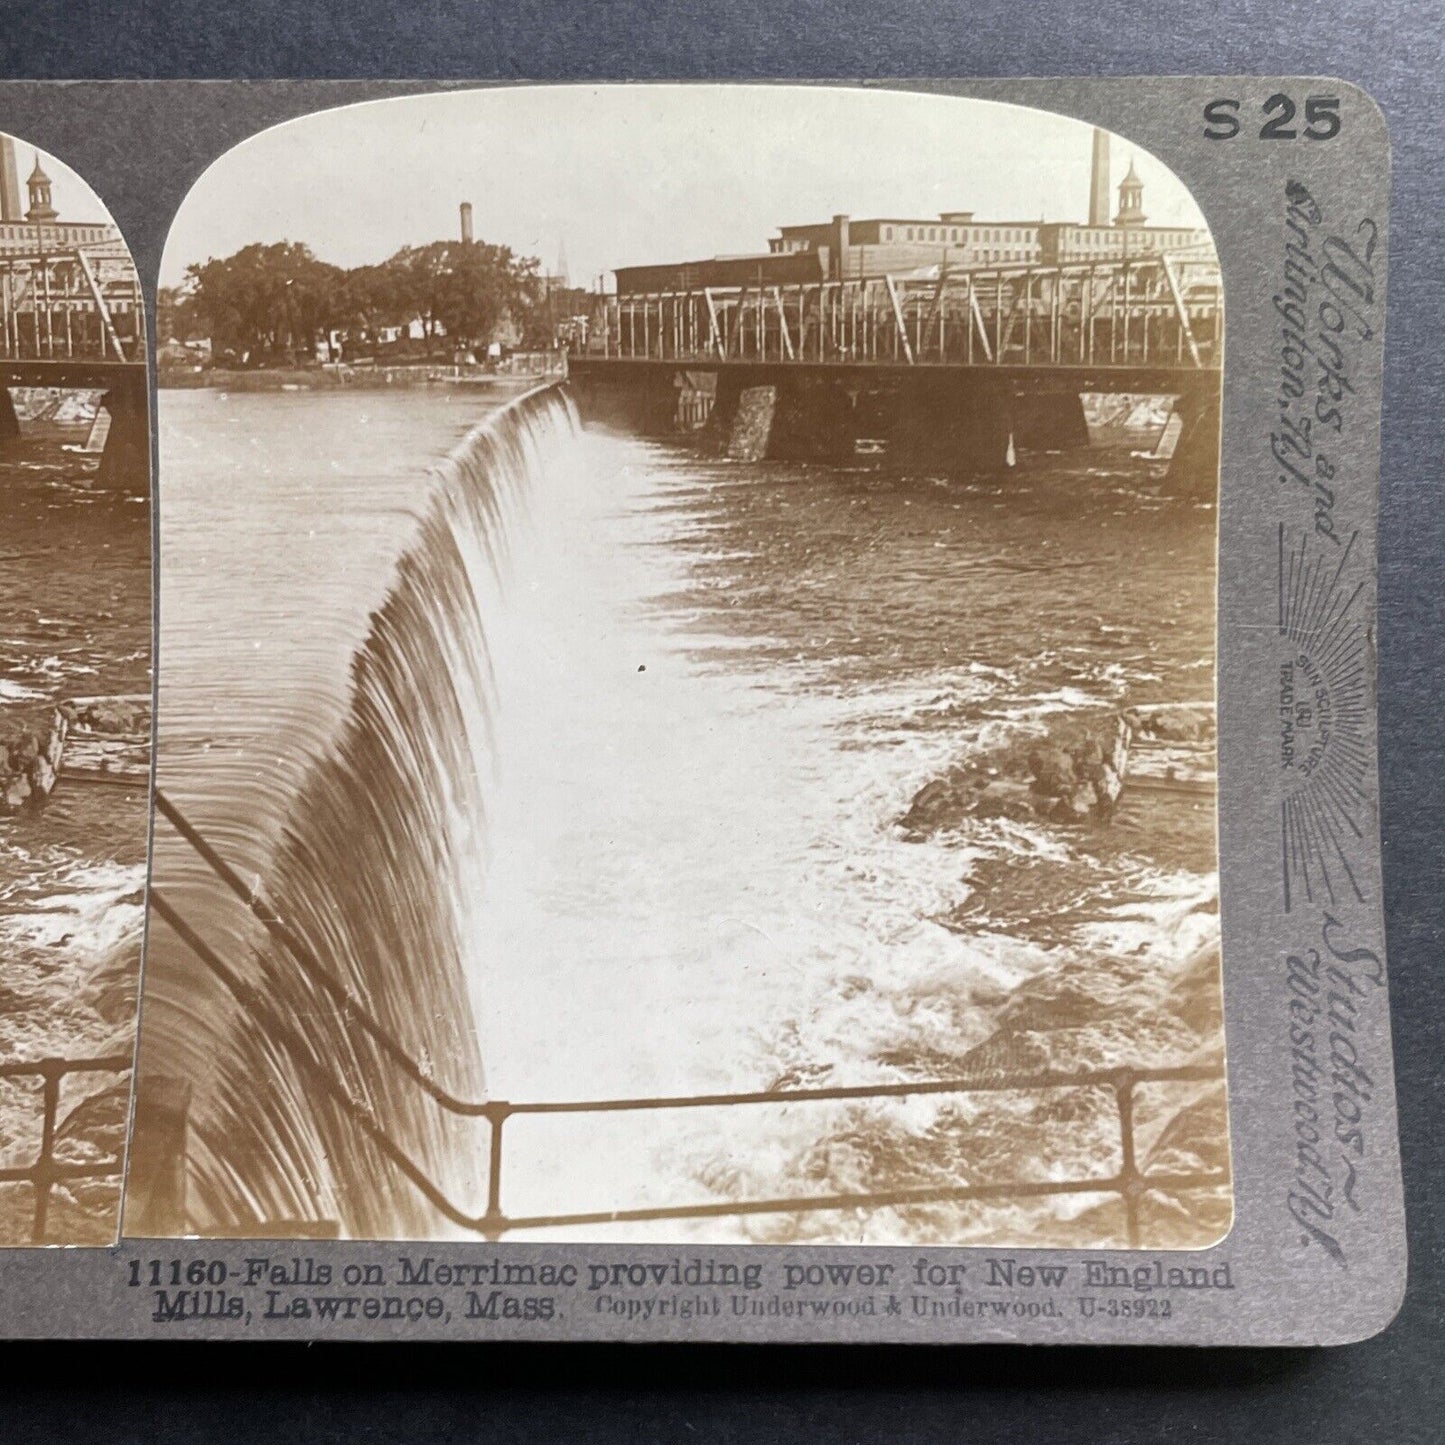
(75, 699)
(686, 693)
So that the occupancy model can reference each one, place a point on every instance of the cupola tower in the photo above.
(1131, 199)
(39, 187)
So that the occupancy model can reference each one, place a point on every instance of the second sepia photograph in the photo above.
(686, 680)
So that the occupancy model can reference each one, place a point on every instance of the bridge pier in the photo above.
(956, 426)
(9, 421)
(815, 422)
(126, 461)
(959, 426)
(965, 420)
(1049, 421)
(800, 420)
(645, 405)
(1194, 467)
(750, 430)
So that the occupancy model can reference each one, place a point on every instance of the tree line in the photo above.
(274, 303)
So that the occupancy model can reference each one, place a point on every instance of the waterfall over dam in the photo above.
(591, 770)
(378, 867)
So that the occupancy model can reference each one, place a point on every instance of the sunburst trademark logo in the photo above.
(1323, 753)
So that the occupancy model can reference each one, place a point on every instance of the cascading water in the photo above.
(379, 862)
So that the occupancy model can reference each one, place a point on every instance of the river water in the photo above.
(662, 767)
(75, 620)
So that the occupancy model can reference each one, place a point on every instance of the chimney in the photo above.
(10, 206)
(466, 223)
(1099, 180)
(840, 247)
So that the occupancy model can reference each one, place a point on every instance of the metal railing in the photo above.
(1160, 310)
(1128, 1181)
(47, 1171)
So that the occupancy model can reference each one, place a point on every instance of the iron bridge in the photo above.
(72, 316)
(1155, 317)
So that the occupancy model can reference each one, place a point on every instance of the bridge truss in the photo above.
(1158, 311)
(71, 304)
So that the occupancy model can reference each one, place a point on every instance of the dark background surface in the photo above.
(1388, 1389)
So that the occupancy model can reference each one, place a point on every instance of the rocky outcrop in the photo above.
(1072, 774)
(1174, 748)
(112, 715)
(1176, 723)
(1091, 1012)
(29, 764)
(95, 735)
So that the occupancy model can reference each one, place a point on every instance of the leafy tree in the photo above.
(372, 299)
(551, 313)
(268, 302)
(467, 291)
(178, 316)
(272, 303)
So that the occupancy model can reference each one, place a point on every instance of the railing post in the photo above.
(493, 1223)
(155, 1203)
(1131, 1183)
(43, 1175)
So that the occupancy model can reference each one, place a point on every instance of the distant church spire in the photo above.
(1099, 180)
(39, 187)
(1131, 199)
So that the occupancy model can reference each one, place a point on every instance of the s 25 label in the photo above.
(1282, 118)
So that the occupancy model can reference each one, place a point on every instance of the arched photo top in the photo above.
(621, 175)
(978, 234)
(73, 298)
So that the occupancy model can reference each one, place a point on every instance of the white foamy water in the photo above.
(693, 863)
(688, 847)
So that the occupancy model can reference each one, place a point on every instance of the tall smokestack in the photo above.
(1099, 180)
(10, 206)
(467, 223)
(841, 241)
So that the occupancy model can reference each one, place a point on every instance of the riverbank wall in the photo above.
(357, 378)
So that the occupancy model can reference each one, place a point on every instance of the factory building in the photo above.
(846, 248)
